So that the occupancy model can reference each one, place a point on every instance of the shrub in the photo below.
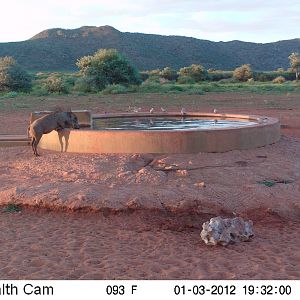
(197, 72)
(175, 88)
(269, 76)
(117, 89)
(12, 76)
(11, 95)
(150, 87)
(185, 80)
(195, 91)
(11, 208)
(242, 73)
(169, 74)
(69, 80)
(152, 79)
(219, 75)
(39, 89)
(107, 67)
(84, 85)
(228, 80)
(144, 75)
(279, 79)
(55, 85)
(261, 76)
(79, 94)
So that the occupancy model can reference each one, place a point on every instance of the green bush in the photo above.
(12, 76)
(79, 94)
(269, 76)
(144, 75)
(185, 80)
(39, 90)
(69, 80)
(151, 87)
(11, 208)
(11, 95)
(84, 85)
(118, 89)
(195, 91)
(228, 80)
(219, 75)
(107, 67)
(152, 79)
(175, 88)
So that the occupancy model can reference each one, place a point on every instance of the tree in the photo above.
(295, 63)
(107, 67)
(242, 73)
(197, 72)
(12, 76)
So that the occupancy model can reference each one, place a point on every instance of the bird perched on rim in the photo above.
(215, 111)
(163, 109)
(151, 110)
(183, 111)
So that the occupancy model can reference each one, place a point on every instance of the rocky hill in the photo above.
(58, 49)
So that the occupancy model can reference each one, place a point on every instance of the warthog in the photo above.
(46, 124)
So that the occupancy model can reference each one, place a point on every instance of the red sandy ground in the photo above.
(139, 216)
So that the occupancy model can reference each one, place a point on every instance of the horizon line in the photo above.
(147, 33)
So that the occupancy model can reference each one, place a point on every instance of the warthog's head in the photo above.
(73, 121)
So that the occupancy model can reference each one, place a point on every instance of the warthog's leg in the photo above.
(35, 142)
(32, 144)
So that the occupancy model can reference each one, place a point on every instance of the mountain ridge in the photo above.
(58, 49)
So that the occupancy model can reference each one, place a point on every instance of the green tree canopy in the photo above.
(197, 72)
(295, 63)
(106, 67)
(12, 76)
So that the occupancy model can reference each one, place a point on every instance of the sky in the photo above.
(215, 20)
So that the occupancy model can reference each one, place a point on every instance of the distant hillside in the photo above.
(58, 49)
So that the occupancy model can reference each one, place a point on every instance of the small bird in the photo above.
(151, 110)
(215, 111)
(183, 111)
(163, 109)
(136, 110)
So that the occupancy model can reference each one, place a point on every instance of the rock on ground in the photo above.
(226, 231)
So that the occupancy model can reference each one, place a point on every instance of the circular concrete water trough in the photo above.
(248, 132)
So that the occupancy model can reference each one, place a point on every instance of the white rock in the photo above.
(226, 231)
